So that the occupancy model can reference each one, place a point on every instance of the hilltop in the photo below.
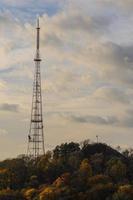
(71, 171)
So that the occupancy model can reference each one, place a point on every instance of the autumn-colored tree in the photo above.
(85, 169)
(94, 172)
(124, 192)
(30, 194)
(80, 180)
(48, 193)
(63, 180)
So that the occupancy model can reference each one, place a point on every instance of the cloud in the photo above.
(85, 119)
(121, 3)
(3, 85)
(76, 21)
(112, 61)
(9, 107)
(3, 132)
(24, 2)
(53, 40)
(74, 41)
(117, 63)
(127, 120)
(15, 2)
(113, 95)
(87, 66)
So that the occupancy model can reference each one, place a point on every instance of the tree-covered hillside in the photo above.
(71, 171)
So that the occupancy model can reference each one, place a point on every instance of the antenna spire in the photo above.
(38, 25)
(38, 35)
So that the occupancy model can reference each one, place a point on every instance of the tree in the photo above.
(30, 194)
(97, 163)
(116, 169)
(85, 169)
(74, 160)
(99, 179)
(17, 172)
(80, 179)
(101, 191)
(65, 150)
(124, 192)
(34, 181)
(48, 193)
(4, 179)
(11, 195)
(63, 180)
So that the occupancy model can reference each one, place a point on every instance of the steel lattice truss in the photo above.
(36, 135)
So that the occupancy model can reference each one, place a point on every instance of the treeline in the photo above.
(71, 171)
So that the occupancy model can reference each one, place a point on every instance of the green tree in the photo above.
(97, 163)
(34, 181)
(101, 191)
(116, 169)
(4, 179)
(64, 150)
(99, 179)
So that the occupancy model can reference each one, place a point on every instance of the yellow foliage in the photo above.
(63, 180)
(3, 171)
(47, 194)
(126, 189)
(58, 182)
(85, 168)
(30, 193)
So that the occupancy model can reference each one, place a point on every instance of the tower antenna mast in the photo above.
(36, 133)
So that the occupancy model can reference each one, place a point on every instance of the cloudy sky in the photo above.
(87, 71)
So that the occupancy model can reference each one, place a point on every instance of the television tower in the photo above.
(36, 134)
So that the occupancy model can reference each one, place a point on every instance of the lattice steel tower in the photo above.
(36, 135)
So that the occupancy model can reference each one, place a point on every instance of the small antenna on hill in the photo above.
(97, 137)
